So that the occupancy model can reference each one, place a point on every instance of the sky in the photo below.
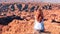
(50, 1)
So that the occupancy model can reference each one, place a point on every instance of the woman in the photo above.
(38, 23)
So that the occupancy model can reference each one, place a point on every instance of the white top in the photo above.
(38, 26)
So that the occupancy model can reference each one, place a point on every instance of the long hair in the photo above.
(39, 15)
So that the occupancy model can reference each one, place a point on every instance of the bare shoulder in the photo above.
(38, 15)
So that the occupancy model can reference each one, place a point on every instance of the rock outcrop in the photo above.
(51, 14)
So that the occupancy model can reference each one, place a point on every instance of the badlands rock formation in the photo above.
(18, 18)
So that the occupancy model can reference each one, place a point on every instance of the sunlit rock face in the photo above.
(25, 25)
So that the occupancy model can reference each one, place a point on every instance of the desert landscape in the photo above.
(18, 18)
